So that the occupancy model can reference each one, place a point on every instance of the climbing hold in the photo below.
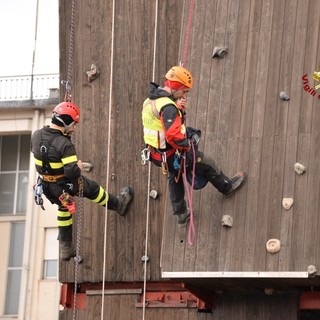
(268, 291)
(93, 73)
(153, 194)
(219, 52)
(312, 270)
(87, 166)
(273, 245)
(227, 221)
(284, 96)
(287, 203)
(299, 168)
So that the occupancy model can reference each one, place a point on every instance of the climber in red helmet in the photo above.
(60, 171)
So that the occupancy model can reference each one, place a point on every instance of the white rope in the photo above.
(149, 174)
(108, 161)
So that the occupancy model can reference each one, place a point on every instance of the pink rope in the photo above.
(189, 190)
(186, 46)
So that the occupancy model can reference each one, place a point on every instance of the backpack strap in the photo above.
(44, 147)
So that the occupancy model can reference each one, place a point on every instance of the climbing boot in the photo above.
(183, 218)
(124, 200)
(67, 250)
(237, 181)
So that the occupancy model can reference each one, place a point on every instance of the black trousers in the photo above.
(91, 190)
(208, 168)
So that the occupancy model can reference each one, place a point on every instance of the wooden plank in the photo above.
(299, 223)
(264, 203)
(251, 65)
(240, 65)
(274, 214)
(260, 86)
(287, 217)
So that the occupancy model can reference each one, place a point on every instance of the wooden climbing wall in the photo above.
(272, 45)
(132, 71)
(245, 126)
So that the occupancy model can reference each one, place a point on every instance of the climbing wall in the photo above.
(131, 62)
(247, 126)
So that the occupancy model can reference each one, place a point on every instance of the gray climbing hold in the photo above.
(284, 96)
(153, 194)
(219, 52)
(299, 168)
(93, 73)
(227, 221)
(312, 270)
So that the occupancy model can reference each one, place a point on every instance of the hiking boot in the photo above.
(67, 250)
(237, 182)
(183, 218)
(124, 199)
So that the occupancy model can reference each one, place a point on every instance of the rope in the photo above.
(68, 96)
(189, 190)
(78, 241)
(149, 174)
(186, 46)
(34, 49)
(108, 161)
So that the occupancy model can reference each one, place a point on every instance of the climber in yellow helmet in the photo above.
(166, 137)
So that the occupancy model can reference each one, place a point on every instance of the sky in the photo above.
(17, 37)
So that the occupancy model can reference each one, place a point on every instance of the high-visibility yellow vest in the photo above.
(153, 132)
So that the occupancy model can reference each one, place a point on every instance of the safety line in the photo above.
(108, 160)
(191, 229)
(149, 175)
(34, 49)
(186, 46)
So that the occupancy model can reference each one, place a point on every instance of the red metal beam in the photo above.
(163, 294)
(310, 300)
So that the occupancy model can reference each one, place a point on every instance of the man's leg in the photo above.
(176, 193)
(97, 194)
(217, 178)
(66, 247)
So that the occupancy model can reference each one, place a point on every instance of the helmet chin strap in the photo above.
(66, 126)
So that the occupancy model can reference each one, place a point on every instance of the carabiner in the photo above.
(145, 156)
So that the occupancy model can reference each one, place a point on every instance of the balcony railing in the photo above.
(28, 87)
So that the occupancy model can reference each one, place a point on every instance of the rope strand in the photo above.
(149, 175)
(108, 161)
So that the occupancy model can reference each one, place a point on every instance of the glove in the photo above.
(194, 135)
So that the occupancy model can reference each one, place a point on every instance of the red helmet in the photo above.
(68, 108)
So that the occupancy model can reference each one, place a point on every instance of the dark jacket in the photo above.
(61, 153)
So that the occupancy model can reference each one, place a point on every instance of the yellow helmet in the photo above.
(180, 74)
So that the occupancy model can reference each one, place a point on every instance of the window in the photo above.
(14, 269)
(51, 253)
(14, 174)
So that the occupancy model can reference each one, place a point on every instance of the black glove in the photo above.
(194, 135)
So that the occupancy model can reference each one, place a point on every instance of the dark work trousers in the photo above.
(205, 165)
(91, 190)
